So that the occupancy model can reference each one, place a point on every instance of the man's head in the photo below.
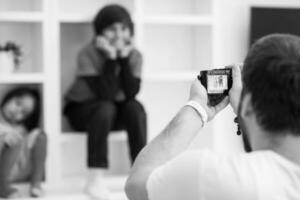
(271, 87)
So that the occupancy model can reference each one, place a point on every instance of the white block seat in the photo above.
(117, 134)
(75, 143)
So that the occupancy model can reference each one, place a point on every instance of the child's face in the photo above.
(118, 34)
(18, 108)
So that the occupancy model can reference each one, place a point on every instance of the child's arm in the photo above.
(10, 136)
(3, 132)
(2, 143)
(105, 84)
(131, 68)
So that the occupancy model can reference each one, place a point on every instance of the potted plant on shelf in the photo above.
(10, 55)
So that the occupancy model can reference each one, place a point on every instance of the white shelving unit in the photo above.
(23, 6)
(177, 42)
(28, 78)
(21, 16)
(178, 19)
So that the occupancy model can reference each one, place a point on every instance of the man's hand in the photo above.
(103, 44)
(237, 86)
(198, 93)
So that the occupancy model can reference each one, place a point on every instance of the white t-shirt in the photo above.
(205, 175)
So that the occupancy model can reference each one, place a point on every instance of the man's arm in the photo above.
(173, 140)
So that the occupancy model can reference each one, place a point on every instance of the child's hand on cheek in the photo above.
(103, 44)
(119, 44)
(13, 138)
(126, 50)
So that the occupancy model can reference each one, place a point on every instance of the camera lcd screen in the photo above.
(217, 84)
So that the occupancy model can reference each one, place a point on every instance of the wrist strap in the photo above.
(200, 110)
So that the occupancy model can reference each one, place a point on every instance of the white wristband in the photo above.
(200, 110)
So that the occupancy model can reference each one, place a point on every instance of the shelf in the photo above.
(155, 19)
(179, 19)
(29, 37)
(294, 4)
(76, 18)
(21, 5)
(21, 16)
(79, 18)
(175, 37)
(177, 7)
(173, 76)
(80, 136)
(68, 9)
(26, 78)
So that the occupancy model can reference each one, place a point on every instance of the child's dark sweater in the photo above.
(101, 78)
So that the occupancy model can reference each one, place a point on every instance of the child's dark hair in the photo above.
(111, 14)
(271, 74)
(32, 120)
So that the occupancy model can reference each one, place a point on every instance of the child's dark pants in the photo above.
(98, 118)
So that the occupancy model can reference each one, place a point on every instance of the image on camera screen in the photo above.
(217, 84)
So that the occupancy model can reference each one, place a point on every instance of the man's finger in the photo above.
(241, 66)
(222, 104)
(236, 76)
(236, 69)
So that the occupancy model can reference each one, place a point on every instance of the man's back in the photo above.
(265, 97)
(197, 175)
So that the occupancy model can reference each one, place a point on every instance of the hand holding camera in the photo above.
(199, 94)
(237, 86)
(214, 89)
(217, 82)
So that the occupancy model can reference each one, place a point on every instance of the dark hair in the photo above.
(32, 120)
(111, 14)
(271, 74)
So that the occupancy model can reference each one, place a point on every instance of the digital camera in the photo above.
(217, 82)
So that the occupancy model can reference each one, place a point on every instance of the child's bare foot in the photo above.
(95, 187)
(36, 190)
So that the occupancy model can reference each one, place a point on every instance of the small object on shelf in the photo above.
(10, 55)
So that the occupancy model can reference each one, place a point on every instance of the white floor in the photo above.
(72, 189)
